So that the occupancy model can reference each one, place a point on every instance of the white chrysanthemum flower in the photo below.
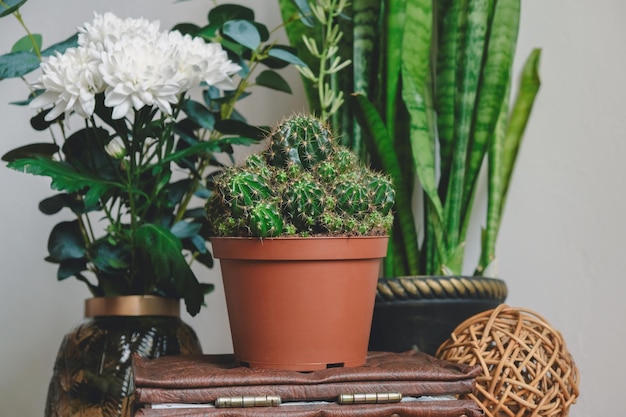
(134, 64)
(115, 148)
(71, 80)
(137, 73)
(209, 61)
(200, 61)
(110, 27)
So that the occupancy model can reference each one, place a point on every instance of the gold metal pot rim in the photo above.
(132, 305)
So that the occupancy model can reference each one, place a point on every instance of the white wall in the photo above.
(562, 246)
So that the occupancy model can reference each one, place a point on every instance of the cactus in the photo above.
(305, 183)
(300, 140)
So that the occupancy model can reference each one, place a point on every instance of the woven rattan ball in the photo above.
(527, 369)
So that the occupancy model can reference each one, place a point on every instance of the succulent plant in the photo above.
(305, 183)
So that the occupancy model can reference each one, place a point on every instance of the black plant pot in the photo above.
(422, 311)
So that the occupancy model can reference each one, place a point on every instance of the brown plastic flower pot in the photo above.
(300, 304)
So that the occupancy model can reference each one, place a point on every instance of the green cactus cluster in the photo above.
(305, 183)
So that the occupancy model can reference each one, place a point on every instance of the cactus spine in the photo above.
(305, 183)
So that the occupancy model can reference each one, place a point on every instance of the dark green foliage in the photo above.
(305, 183)
(132, 183)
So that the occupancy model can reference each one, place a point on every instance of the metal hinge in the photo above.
(375, 398)
(248, 401)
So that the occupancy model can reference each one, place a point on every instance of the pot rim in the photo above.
(290, 248)
(132, 305)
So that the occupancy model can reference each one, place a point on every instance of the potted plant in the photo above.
(429, 90)
(300, 231)
(129, 156)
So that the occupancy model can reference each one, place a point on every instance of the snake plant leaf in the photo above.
(306, 15)
(471, 62)
(502, 158)
(493, 90)
(9, 6)
(161, 249)
(66, 241)
(520, 113)
(452, 17)
(393, 59)
(365, 19)
(416, 95)
(273, 80)
(243, 32)
(494, 191)
(382, 147)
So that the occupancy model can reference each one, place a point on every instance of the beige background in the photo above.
(563, 243)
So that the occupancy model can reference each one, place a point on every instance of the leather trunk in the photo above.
(191, 385)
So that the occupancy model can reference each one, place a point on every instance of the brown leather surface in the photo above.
(203, 378)
(454, 408)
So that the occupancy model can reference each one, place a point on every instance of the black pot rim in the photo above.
(440, 287)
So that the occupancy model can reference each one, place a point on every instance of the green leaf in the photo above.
(520, 113)
(70, 267)
(306, 15)
(382, 148)
(65, 178)
(494, 90)
(199, 114)
(32, 150)
(243, 32)
(273, 80)
(185, 229)
(236, 127)
(56, 203)
(60, 47)
(224, 12)
(299, 23)
(9, 6)
(66, 241)
(199, 243)
(187, 28)
(471, 62)
(39, 122)
(110, 258)
(25, 43)
(161, 249)
(286, 54)
(17, 64)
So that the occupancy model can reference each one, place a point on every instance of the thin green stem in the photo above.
(18, 16)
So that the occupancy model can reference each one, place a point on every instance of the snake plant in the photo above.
(429, 89)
